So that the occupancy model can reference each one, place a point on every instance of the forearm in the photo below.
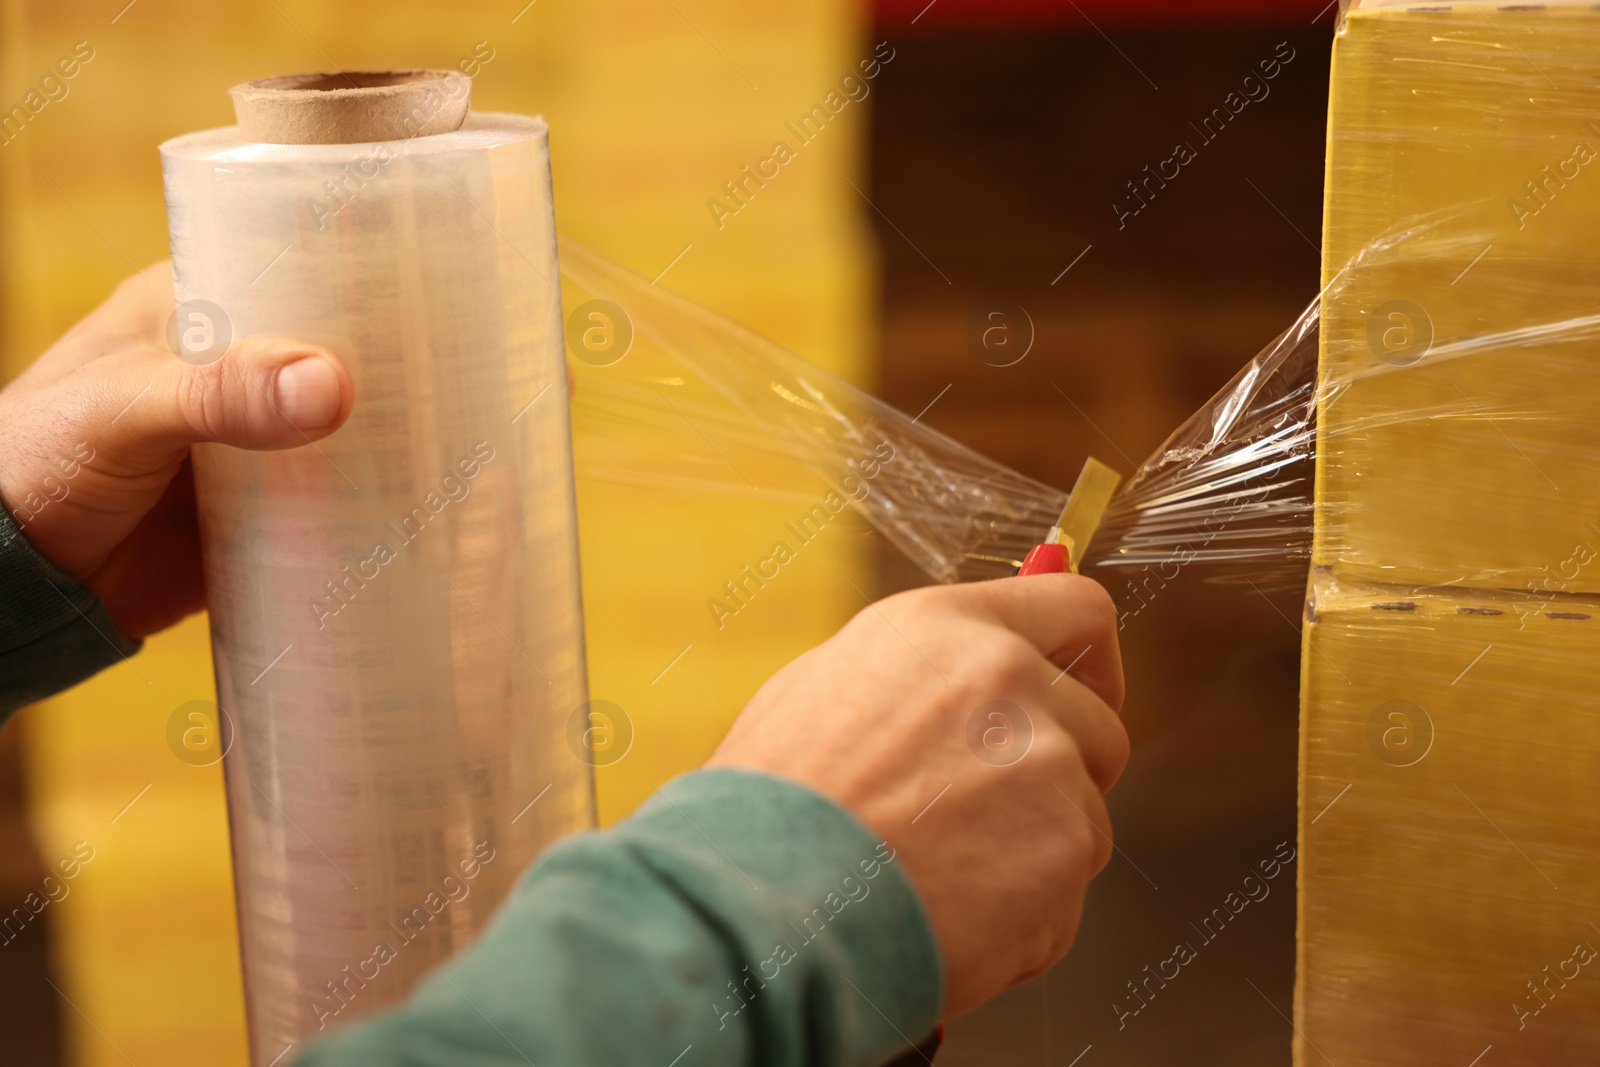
(54, 633)
(736, 915)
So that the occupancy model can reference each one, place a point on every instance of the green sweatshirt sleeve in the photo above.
(736, 919)
(54, 633)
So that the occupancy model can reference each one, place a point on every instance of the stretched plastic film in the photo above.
(1423, 441)
(956, 514)
(395, 611)
(1230, 492)
(1228, 497)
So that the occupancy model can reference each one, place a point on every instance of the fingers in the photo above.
(1068, 618)
(143, 402)
(154, 567)
(1088, 818)
(262, 394)
(1101, 738)
(1088, 837)
(1047, 643)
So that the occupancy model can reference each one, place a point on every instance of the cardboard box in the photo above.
(1450, 821)
(1461, 248)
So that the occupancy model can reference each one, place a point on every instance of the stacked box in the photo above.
(1450, 800)
(1459, 250)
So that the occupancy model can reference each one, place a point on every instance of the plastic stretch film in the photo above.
(953, 512)
(1227, 497)
(1424, 441)
(395, 611)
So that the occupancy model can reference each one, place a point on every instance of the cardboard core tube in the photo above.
(351, 107)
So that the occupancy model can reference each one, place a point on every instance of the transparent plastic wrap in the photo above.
(1228, 496)
(1230, 492)
(953, 512)
(1422, 447)
(1451, 713)
(395, 611)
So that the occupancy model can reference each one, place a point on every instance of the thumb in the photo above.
(262, 394)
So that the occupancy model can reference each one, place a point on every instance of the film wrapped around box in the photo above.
(395, 610)
(1418, 451)
(1450, 741)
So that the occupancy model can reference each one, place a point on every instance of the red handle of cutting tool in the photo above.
(1047, 558)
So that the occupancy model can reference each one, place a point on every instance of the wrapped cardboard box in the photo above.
(1450, 778)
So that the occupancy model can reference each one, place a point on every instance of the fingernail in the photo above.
(307, 393)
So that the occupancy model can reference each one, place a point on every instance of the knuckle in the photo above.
(1069, 858)
(865, 625)
(999, 663)
(920, 603)
(1086, 831)
(1102, 857)
(1097, 605)
(1102, 846)
(203, 397)
(1064, 935)
(1082, 843)
(1121, 749)
(1057, 751)
(1095, 840)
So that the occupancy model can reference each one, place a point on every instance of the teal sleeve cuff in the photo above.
(737, 918)
(54, 633)
(807, 877)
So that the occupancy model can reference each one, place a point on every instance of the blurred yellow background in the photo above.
(653, 105)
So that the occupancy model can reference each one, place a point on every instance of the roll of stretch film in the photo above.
(395, 611)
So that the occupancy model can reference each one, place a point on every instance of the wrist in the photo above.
(829, 888)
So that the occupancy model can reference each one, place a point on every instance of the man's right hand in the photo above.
(975, 729)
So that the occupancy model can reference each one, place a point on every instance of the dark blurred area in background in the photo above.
(1000, 158)
(29, 1011)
